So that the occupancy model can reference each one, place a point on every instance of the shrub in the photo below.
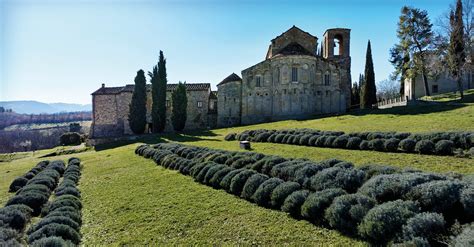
(376, 144)
(303, 175)
(391, 145)
(337, 177)
(194, 171)
(33, 200)
(438, 196)
(202, 173)
(211, 172)
(329, 141)
(50, 242)
(281, 192)
(313, 140)
(17, 184)
(252, 184)
(240, 163)
(341, 141)
(364, 145)
(262, 137)
(384, 221)
(68, 191)
(347, 211)
(304, 140)
(293, 202)
(65, 202)
(353, 143)
(389, 187)
(444, 147)
(424, 225)
(55, 230)
(55, 219)
(225, 182)
(215, 181)
(425, 147)
(407, 145)
(373, 170)
(320, 141)
(466, 238)
(70, 138)
(238, 181)
(316, 203)
(73, 215)
(279, 138)
(15, 216)
(230, 137)
(244, 137)
(8, 234)
(264, 191)
(467, 201)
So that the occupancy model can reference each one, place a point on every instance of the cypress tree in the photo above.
(158, 91)
(180, 104)
(137, 115)
(369, 91)
(456, 54)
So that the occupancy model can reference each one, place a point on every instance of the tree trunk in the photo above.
(425, 82)
(461, 91)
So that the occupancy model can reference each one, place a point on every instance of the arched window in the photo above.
(338, 45)
(258, 82)
(327, 78)
(294, 74)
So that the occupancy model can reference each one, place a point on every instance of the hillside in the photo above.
(129, 200)
(36, 107)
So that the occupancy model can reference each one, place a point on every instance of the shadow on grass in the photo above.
(422, 108)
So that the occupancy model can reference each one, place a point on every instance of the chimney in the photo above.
(103, 85)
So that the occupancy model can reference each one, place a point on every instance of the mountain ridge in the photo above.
(37, 107)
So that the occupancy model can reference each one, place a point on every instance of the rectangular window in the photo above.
(259, 81)
(168, 103)
(294, 74)
(434, 89)
(327, 80)
(199, 104)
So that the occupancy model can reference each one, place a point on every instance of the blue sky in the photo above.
(62, 50)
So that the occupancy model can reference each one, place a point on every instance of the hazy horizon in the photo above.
(61, 51)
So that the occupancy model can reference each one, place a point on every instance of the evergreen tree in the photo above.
(369, 91)
(137, 115)
(180, 104)
(416, 37)
(158, 91)
(456, 51)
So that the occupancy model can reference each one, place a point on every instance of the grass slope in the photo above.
(128, 200)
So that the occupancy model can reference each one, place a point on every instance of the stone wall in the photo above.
(294, 34)
(444, 83)
(105, 116)
(228, 104)
(278, 97)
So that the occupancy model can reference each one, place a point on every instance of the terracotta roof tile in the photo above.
(169, 87)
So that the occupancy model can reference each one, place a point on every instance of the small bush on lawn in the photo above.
(293, 202)
(68, 191)
(55, 219)
(389, 187)
(377, 144)
(252, 184)
(211, 172)
(364, 145)
(33, 200)
(444, 147)
(312, 140)
(55, 230)
(65, 202)
(73, 215)
(194, 171)
(215, 181)
(230, 137)
(281, 192)
(244, 137)
(353, 143)
(425, 147)
(15, 216)
(424, 225)
(225, 182)
(264, 191)
(304, 140)
(466, 238)
(383, 222)
(238, 181)
(341, 141)
(337, 177)
(373, 170)
(329, 141)
(8, 234)
(316, 203)
(70, 138)
(17, 184)
(240, 163)
(52, 242)
(303, 175)
(391, 145)
(438, 196)
(467, 201)
(407, 145)
(202, 173)
(279, 138)
(320, 141)
(267, 166)
(347, 211)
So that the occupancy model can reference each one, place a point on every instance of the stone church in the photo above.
(295, 80)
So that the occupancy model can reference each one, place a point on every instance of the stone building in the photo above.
(293, 81)
(110, 109)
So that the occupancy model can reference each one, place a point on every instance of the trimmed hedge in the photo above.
(321, 191)
(440, 143)
(20, 182)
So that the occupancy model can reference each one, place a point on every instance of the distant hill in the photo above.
(35, 107)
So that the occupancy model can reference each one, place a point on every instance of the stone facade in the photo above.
(292, 82)
(111, 109)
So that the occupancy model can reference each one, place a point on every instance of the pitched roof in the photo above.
(291, 28)
(295, 49)
(169, 87)
(232, 77)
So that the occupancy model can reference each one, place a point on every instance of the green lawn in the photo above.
(128, 200)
